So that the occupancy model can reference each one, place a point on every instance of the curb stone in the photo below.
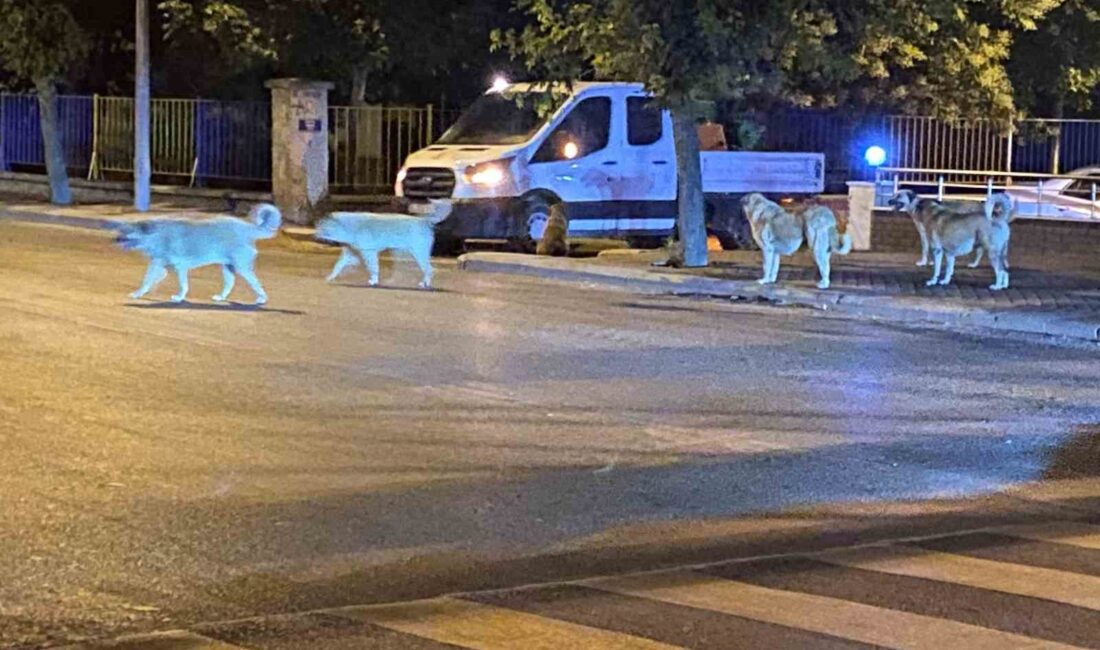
(885, 308)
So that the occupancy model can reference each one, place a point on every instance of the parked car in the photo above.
(1075, 197)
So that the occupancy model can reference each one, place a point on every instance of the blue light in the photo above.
(875, 156)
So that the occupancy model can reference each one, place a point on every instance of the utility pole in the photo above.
(142, 162)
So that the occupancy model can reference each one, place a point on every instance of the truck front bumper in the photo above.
(478, 219)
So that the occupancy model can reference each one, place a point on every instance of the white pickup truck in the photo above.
(602, 150)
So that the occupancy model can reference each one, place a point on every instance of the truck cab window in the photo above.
(583, 131)
(643, 121)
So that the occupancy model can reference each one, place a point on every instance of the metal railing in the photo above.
(1031, 146)
(21, 130)
(368, 144)
(1047, 196)
(193, 138)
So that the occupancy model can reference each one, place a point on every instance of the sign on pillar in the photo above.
(299, 145)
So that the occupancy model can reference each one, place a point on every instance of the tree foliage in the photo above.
(329, 39)
(40, 39)
(1055, 68)
(943, 57)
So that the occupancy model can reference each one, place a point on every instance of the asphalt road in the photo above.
(165, 465)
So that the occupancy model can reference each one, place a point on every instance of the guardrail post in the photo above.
(299, 145)
(1092, 207)
(3, 135)
(939, 188)
(989, 187)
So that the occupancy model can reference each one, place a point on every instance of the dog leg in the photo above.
(154, 273)
(776, 258)
(249, 274)
(978, 257)
(181, 274)
(923, 244)
(821, 256)
(228, 280)
(765, 276)
(371, 259)
(1000, 275)
(937, 260)
(949, 270)
(347, 258)
(423, 257)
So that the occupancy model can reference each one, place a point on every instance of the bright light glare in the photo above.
(570, 150)
(401, 174)
(875, 155)
(489, 176)
(500, 84)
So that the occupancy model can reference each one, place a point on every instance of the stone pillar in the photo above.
(861, 205)
(299, 146)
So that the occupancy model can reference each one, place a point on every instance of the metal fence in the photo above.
(925, 143)
(192, 141)
(367, 144)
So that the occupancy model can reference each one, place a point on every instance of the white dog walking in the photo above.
(185, 244)
(365, 234)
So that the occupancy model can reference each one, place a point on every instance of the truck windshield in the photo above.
(502, 118)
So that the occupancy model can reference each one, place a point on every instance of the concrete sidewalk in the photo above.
(1045, 298)
(90, 215)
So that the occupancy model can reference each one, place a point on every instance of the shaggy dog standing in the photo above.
(184, 244)
(778, 232)
(957, 233)
(366, 234)
(923, 212)
(824, 239)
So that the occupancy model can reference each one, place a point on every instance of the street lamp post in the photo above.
(142, 162)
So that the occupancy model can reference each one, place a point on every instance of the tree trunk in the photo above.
(51, 140)
(359, 86)
(143, 164)
(691, 216)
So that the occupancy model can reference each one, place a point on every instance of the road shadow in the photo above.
(208, 306)
(390, 287)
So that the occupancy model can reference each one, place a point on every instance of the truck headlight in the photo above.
(487, 174)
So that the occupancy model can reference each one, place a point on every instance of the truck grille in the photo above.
(428, 183)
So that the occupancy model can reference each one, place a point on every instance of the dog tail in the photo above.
(1008, 212)
(440, 211)
(840, 243)
(267, 219)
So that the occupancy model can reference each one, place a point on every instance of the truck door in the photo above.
(579, 163)
(647, 177)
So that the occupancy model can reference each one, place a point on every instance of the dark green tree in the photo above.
(41, 43)
(945, 57)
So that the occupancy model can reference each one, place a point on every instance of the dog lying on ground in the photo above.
(922, 211)
(778, 232)
(956, 233)
(365, 234)
(184, 244)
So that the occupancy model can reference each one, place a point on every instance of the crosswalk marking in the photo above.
(1064, 532)
(1049, 584)
(832, 616)
(485, 627)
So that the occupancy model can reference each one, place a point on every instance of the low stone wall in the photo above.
(1031, 238)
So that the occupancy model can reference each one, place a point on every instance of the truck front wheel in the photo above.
(532, 215)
